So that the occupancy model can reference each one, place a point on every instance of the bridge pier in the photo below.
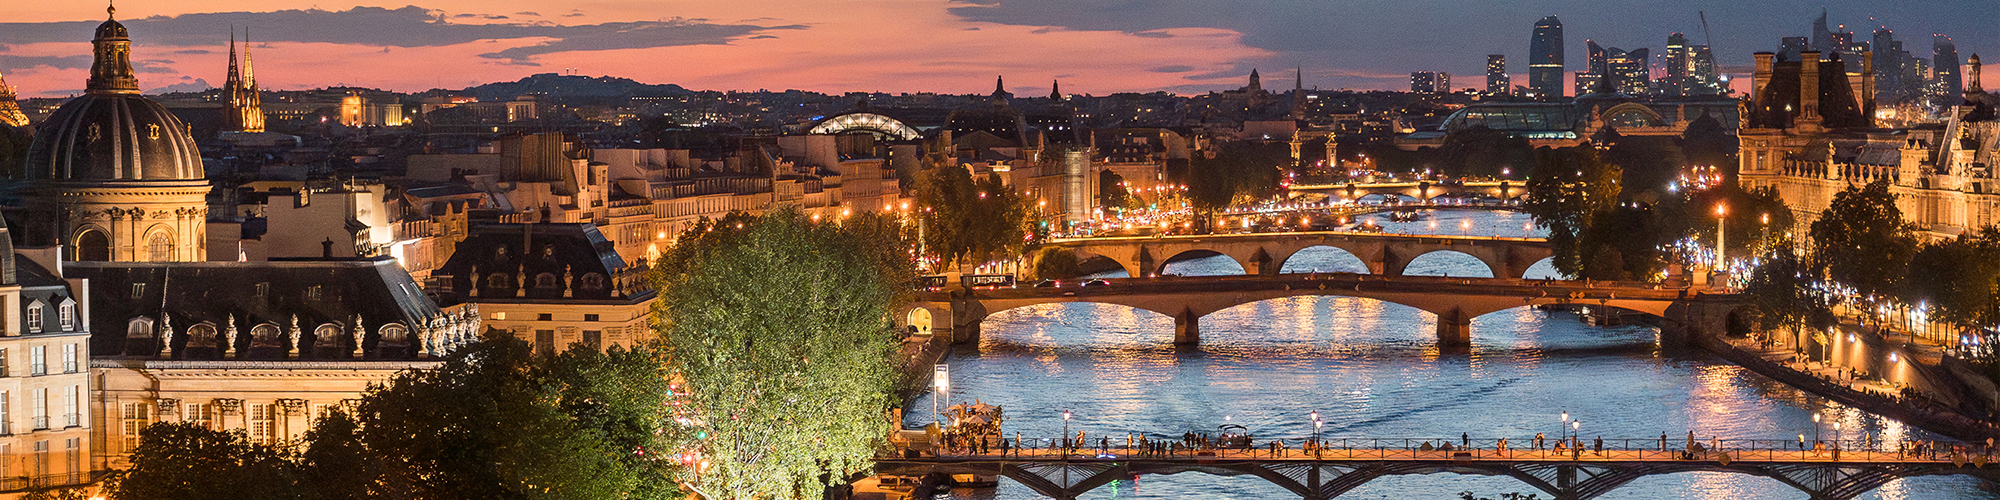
(1187, 327)
(1454, 329)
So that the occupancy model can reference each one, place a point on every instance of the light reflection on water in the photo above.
(1370, 369)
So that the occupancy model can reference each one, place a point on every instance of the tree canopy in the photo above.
(1862, 240)
(1237, 170)
(185, 461)
(970, 220)
(778, 330)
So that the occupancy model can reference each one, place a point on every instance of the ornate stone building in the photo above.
(112, 175)
(1810, 138)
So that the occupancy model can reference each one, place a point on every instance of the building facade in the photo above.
(1545, 59)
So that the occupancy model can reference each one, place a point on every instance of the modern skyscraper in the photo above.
(1888, 65)
(1679, 64)
(1790, 47)
(1435, 82)
(1947, 85)
(1545, 59)
(1702, 72)
(1628, 71)
(1595, 60)
(1497, 82)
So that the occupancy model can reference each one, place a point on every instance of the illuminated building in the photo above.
(1545, 59)
(1497, 82)
(45, 376)
(1432, 82)
(10, 108)
(246, 104)
(112, 175)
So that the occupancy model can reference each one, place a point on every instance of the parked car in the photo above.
(1048, 284)
(1092, 283)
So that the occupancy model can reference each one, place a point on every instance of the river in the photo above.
(1371, 370)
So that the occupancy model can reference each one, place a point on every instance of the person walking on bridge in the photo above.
(1538, 441)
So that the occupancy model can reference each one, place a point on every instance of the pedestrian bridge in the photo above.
(1582, 472)
(1685, 312)
(1266, 253)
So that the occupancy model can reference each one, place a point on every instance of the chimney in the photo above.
(1762, 76)
(1808, 112)
(326, 248)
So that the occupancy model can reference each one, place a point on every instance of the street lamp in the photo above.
(1316, 424)
(1564, 427)
(1065, 436)
(1721, 212)
(1815, 427)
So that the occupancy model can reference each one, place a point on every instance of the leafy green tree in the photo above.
(1237, 171)
(1781, 293)
(336, 463)
(970, 220)
(56, 494)
(1960, 279)
(1862, 240)
(1566, 192)
(176, 461)
(778, 331)
(488, 423)
(1481, 151)
(1053, 262)
(1111, 192)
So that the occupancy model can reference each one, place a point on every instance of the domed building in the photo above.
(112, 175)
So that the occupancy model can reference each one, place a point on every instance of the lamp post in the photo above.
(1815, 427)
(1065, 436)
(1721, 213)
(1836, 435)
(1316, 424)
(1576, 434)
(1564, 428)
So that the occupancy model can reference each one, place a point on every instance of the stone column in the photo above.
(1454, 329)
(1187, 327)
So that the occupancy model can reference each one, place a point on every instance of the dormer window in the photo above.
(35, 316)
(66, 315)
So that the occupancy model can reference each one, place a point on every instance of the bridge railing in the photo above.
(1550, 449)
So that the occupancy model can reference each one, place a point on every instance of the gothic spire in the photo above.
(233, 80)
(111, 72)
(249, 79)
(1055, 89)
(999, 85)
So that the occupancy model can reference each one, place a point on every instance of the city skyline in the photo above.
(893, 46)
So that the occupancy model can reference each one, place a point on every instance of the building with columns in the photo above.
(1810, 138)
(112, 175)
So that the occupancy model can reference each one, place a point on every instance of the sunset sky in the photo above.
(950, 46)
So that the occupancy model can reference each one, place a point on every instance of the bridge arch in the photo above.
(1336, 258)
(1542, 269)
(1425, 262)
(1242, 264)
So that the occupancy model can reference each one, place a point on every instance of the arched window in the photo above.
(327, 335)
(160, 247)
(593, 281)
(395, 334)
(266, 335)
(201, 335)
(499, 280)
(93, 246)
(139, 328)
(546, 280)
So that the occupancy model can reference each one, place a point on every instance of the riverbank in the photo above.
(1779, 365)
(914, 362)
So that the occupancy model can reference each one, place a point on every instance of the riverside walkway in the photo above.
(1578, 469)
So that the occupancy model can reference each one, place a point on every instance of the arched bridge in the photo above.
(1266, 253)
(1575, 473)
(1422, 190)
(1686, 312)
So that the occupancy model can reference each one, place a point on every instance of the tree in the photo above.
(336, 463)
(1111, 191)
(778, 330)
(1863, 242)
(507, 430)
(967, 219)
(1567, 190)
(1780, 290)
(188, 461)
(56, 494)
(1958, 279)
(1237, 171)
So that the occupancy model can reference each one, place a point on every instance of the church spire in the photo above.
(1299, 79)
(1055, 89)
(1972, 75)
(111, 70)
(249, 79)
(999, 85)
(234, 79)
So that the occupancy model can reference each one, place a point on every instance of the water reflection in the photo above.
(1370, 369)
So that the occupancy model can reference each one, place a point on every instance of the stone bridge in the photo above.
(1266, 253)
(1685, 313)
(1423, 190)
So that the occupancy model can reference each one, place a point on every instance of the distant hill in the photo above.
(551, 86)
